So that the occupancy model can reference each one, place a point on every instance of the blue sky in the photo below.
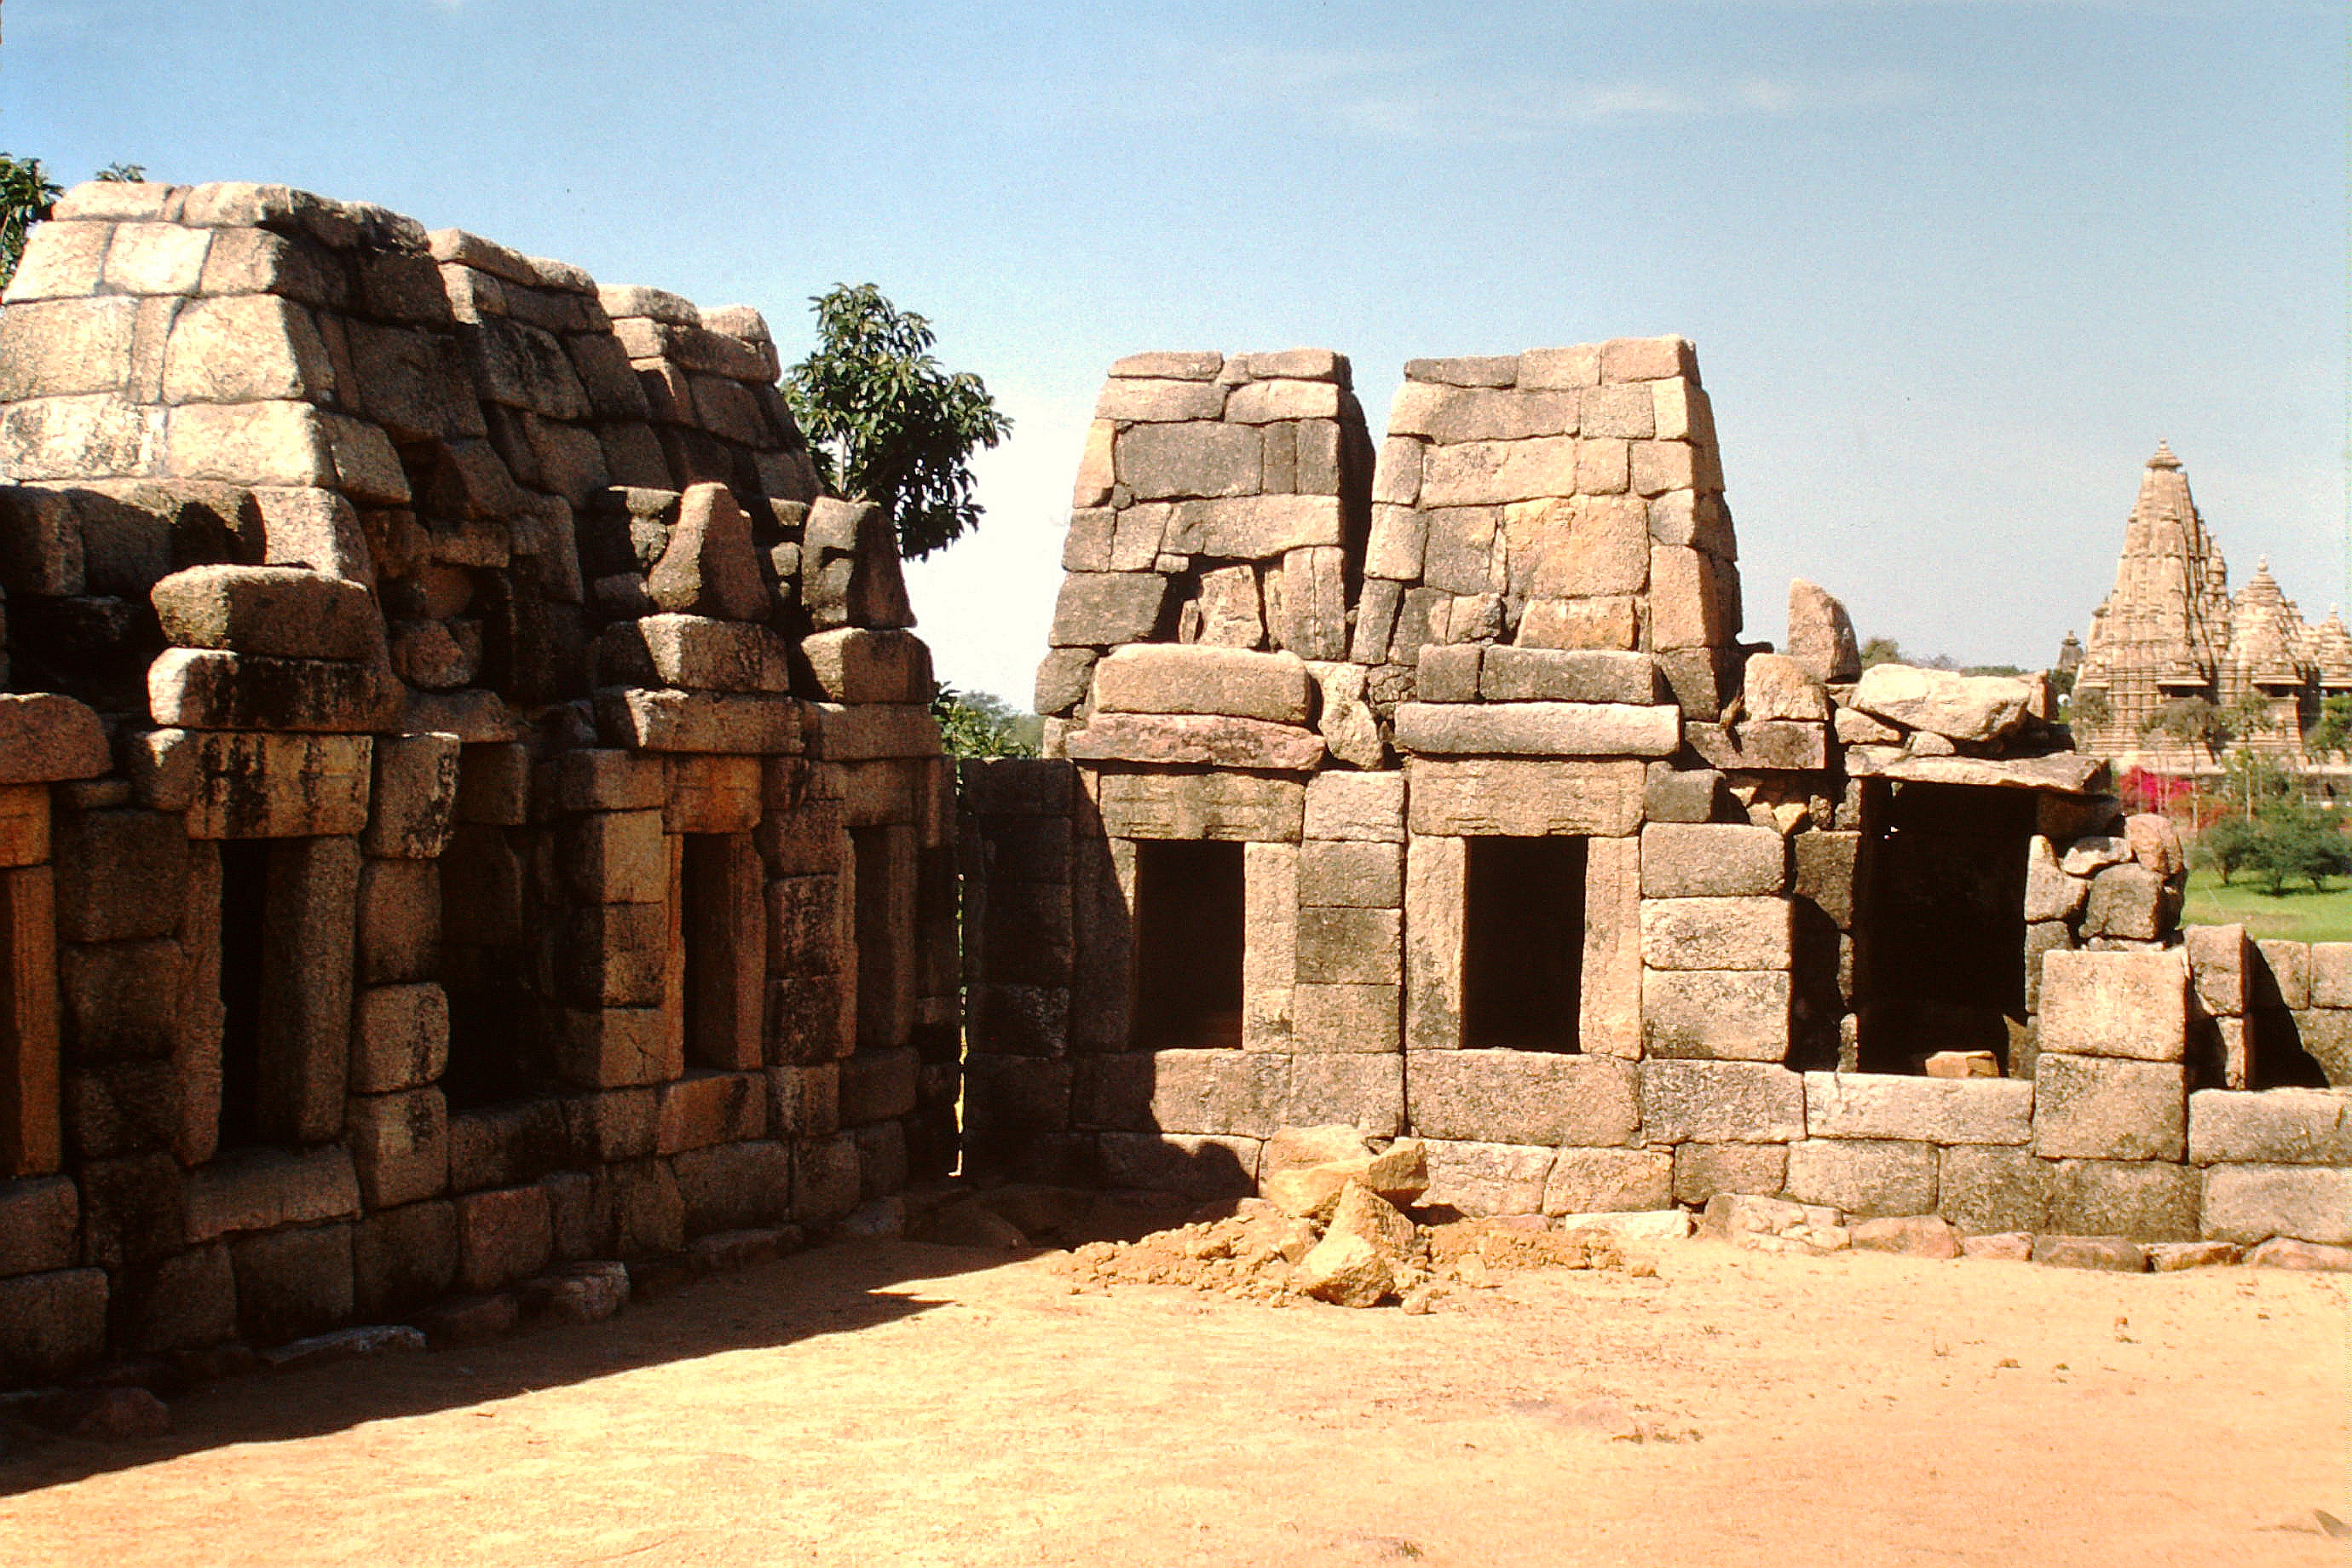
(1952, 268)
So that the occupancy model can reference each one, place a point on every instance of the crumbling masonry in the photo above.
(469, 809)
(469, 803)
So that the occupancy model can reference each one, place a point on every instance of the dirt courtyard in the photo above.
(904, 1404)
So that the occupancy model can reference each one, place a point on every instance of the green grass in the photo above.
(2297, 915)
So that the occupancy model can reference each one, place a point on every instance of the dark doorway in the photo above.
(1190, 932)
(491, 1046)
(1940, 921)
(244, 913)
(1522, 942)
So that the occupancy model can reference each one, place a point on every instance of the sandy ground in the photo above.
(920, 1404)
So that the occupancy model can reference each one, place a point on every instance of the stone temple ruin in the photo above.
(470, 809)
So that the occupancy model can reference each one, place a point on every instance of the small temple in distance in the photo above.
(2171, 629)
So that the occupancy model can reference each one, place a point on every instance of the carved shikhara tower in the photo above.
(2171, 629)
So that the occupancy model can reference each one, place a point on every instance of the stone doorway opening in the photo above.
(1191, 931)
(1523, 942)
(1940, 923)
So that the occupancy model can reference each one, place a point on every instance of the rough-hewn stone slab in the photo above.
(1609, 985)
(2132, 1005)
(2246, 1204)
(1359, 875)
(1482, 1178)
(1718, 1015)
(1923, 1109)
(288, 612)
(1166, 678)
(1524, 799)
(1209, 739)
(1706, 860)
(207, 689)
(1510, 674)
(2065, 772)
(697, 653)
(1721, 1102)
(1100, 609)
(1253, 527)
(1863, 1176)
(1776, 745)
(1522, 1097)
(1985, 1190)
(2097, 1108)
(1231, 1093)
(739, 724)
(1355, 1018)
(1351, 946)
(1716, 933)
(1539, 730)
(1247, 806)
(1365, 807)
(2271, 1126)
(263, 1189)
(2146, 1200)
(1609, 1181)
(1197, 1164)
(259, 786)
(839, 732)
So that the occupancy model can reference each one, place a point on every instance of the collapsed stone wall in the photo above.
(1879, 940)
(471, 804)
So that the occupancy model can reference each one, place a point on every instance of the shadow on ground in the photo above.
(835, 1289)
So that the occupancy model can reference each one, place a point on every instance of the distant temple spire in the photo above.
(2171, 629)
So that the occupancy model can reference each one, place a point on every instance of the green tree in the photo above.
(2089, 709)
(1881, 650)
(2228, 846)
(885, 421)
(2187, 720)
(2332, 735)
(27, 194)
(2298, 842)
(976, 724)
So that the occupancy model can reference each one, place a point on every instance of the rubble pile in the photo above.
(1331, 1226)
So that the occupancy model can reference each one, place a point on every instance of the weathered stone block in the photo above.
(1351, 946)
(706, 1108)
(1863, 1176)
(1366, 807)
(1702, 859)
(1959, 707)
(261, 1189)
(1539, 729)
(1166, 678)
(1484, 1178)
(1985, 1191)
(1720, 1102)
(404, 1257)
(40, 1221)
(1213, 741)
(120, 875)
(2100, 1108)
(1345, 1018)
(503, 1234)
(1241, 1094)
(1923, 1109)
(2272, 1126)
(51, 1324)
(2128, 902)
(1524, 799)
(615, 857)
(1137, 804)
(1522, 1097)
(855, 664)
(2247, 1203)
(400, 1145)
(1366, 1091)
(2132, 1005)
(1196, 1165)
(205, 689)
(1703, 1170)
(2146, 1200)
(400, 1038)
(2282, 977)
(1609, 1180)
(291, 1283)
(1351, 873)
(1716, 933)
(738, 723)
(1722, 1015)
(735, 1186)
